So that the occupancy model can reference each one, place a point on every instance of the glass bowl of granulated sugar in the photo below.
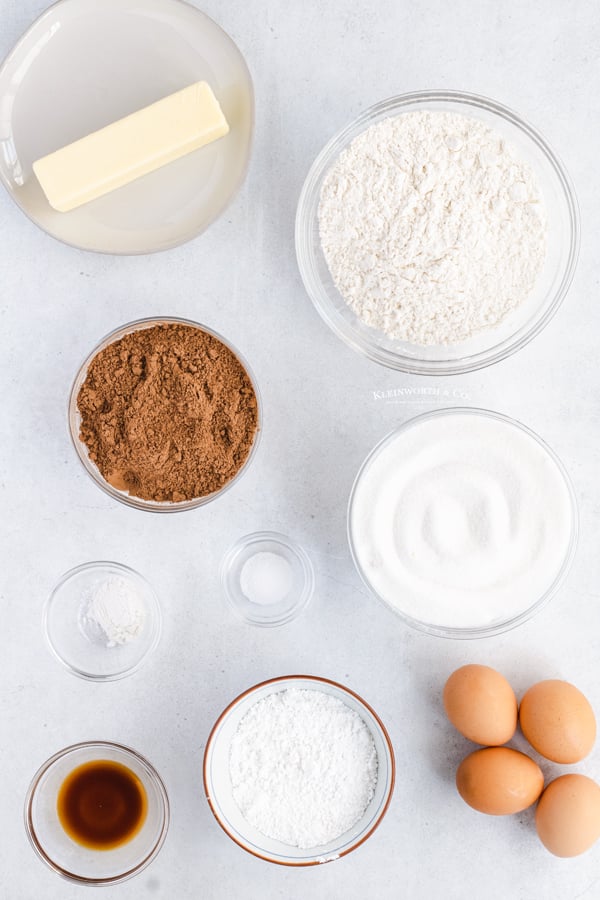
(438, 233)
(299, 770)
(165, 414)
(463, 522)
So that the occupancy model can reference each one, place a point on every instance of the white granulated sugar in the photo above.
(432, 227)
(303, 767)
(461, 521)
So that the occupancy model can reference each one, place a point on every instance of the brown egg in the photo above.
(558, 721)
(481, 704)
(499, 781)
(568, 815)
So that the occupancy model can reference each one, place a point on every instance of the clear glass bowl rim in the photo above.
(277, 538)
(507, 624)
(156, 619)
(81, 449)
(317, 680)
(100, 746)
(309, 198)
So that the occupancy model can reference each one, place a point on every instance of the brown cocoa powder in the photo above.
(168, 413)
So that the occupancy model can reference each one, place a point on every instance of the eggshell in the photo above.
(558, 721)
(568, 815)
(481, 704)
(499, 781)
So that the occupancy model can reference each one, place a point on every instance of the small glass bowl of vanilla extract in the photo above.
(97, 813)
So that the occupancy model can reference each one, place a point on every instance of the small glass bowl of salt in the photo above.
(267, 578)
(102, 620)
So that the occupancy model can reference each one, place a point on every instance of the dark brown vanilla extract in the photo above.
(102, 804)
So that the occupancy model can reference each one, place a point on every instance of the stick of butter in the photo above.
(132, 147)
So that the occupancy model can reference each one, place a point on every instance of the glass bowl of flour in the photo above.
(463, 522)
(438, 233)
(299, 770)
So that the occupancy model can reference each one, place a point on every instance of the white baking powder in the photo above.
(461, 520)
(112, 612)
(432, 226)
(303, 767)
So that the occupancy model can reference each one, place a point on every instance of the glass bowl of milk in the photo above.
(463, 522)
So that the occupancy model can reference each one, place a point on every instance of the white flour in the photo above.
(113, 612)
(432, 227)
(303, 767)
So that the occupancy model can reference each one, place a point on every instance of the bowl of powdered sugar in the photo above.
(437, 233)
(299, 770)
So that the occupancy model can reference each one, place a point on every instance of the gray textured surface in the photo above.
(315, 67)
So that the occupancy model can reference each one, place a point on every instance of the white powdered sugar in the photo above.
(432, 227)
(303, 767)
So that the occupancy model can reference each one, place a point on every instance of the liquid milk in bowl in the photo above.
(463, 522)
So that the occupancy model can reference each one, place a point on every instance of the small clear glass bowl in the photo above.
(73, 861)
(512, 621)
(83, 653)
(219, 792)
(489, 346)
(302, 573)
(81, 449)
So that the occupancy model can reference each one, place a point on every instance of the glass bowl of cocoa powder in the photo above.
(165, 414)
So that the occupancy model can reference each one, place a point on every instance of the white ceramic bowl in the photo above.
(86, 63)
(519, 327)
(217, 781)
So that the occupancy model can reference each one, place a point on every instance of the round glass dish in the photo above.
(72, 860)
(525, 322)
(83, 648)
(219, 793)
(301, 572)
(81, 449)
(84, 64)
(497, 626)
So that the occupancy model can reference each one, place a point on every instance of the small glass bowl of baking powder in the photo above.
(82, 451)
(102, 621)
(520, 326)
(267, 578)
